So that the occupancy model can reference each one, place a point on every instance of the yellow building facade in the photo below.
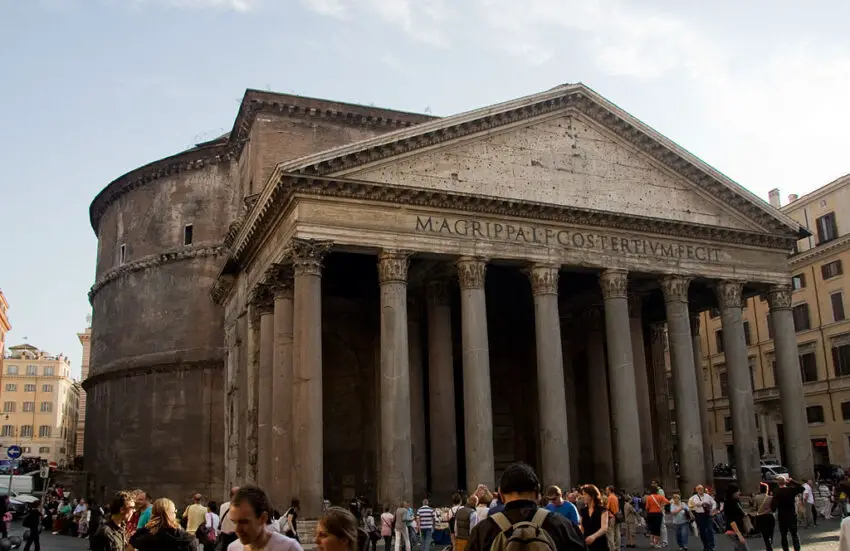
(39, 404)
(5, 326)
(821, 311)
(85, 341)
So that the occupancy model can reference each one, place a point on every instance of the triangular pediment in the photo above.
(565, 147)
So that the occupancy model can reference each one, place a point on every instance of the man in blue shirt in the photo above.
(558, 505)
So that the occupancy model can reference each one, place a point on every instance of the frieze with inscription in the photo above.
(564, 238)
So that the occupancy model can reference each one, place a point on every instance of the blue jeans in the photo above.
(682, 534)
(706, 530)
(426, 538)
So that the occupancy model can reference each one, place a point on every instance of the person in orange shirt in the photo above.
(654, 504)
(612, 504)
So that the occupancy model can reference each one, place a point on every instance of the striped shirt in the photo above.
(426, 518)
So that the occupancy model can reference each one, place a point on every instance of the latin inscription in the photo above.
(569, 239)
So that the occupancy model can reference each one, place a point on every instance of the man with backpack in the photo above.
(523, 526)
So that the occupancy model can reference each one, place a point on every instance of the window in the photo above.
(809, 367)
(747, 336)
(46, 407)
(845, 411)
(8, 430)
(727, 424)
(9, 407)
(187, 234)
(29, 406)
(12, 370)
(61, 450)
(122, 253)
(11, 387)
(32, 370)
(718, 340)
(724, 384)
(801, 317)
(26, 449)
(752, 368)
(831, 269)
(840, 360)
(47, 388)
(837, 306)
(44, 431)
(26, 431)
(827, 229)
(48, 371)
(43, 449)
(798, 281)
(714, 313)
(814, 414)
(29, 388)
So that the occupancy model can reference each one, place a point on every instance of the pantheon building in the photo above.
(334, 299)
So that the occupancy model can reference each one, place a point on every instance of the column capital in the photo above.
(614, 283)
(779, 298)
(437, 292)
(392, 266)
(307, 255)
(695, 317)
(635, 306)
(471, 272)
(544, 278)
(261, 300)
(729, 293)
(279, 278)
(675, 288)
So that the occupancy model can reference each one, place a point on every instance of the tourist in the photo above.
(211, 527)
(464, 523)
(194, 514)
(654, 503)
(290, 520)
(425, 520)
(734, 513)
(251, 510)
(703, 507)
(784, 504)
(681, 521)
(144, 505)
(484, 499)
(112, 536)
(162, 532)
(630, 518)
(558, 505)
(337, 530)
(228, 528)
(594, 519)
(96, 514)
(31, 523)
(401, 533)
(387, 519)
(410, 524)
(372, 529)
(810, 512)
(765, 523)
(133, 524)
(612, 504)
(81, 516)
(519, 491)
(823, 501)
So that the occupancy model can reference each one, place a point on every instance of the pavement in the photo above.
(822, 538)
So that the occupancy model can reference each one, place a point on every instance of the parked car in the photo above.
(770, 472)
(24, 498)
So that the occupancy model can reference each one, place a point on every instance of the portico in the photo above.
(506, 231)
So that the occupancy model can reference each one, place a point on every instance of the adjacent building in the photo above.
(85, 341)
(820, 311)
(5, 326)
(39, 404)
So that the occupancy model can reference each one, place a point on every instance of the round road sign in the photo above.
(14, 452)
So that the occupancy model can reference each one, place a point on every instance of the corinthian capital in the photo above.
(392, 266)
(675, 288)
(279, 279)
(544, 279)
(307, 255)
(614, 283)
(729, 294)
(471, 272)
(779, 298)
(437, 292)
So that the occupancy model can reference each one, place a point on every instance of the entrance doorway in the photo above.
(820, 451)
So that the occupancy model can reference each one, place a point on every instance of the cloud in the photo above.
(332, 8)
(241, 6)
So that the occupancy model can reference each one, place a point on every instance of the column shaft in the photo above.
(552, 405)
(621, 381)
(702, 400)
(763, 430)
(441, 388)
(744, 435)
(773, 434)
(253, 386)
(395, 482)
(661, 393)
(792, 402)
(478, 408)
(600, 419)
(642, 389)
(265, 398)
(282, 385)
(232, 406)
(307, 438)
(572, 412)
(417, 401)
(242, 397)
(686, 395)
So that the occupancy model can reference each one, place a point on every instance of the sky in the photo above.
(90, 89)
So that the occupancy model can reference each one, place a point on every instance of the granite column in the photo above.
(265, 394)
(417, 399)
(702, 400)
(597, 385)
(661, 394)
(282, 384)
(642, 388)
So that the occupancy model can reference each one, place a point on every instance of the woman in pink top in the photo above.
(387, 519)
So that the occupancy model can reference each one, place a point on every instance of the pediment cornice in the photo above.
(243, 241)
